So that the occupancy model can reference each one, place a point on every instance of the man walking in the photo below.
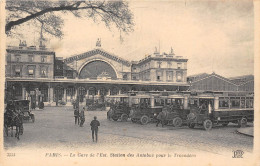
(82, 117)
(94, 127)
(76, 115)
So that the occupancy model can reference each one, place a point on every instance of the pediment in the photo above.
(95, 52)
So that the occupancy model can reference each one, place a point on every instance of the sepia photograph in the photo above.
(101, 82)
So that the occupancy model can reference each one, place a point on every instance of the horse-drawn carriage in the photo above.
(23, 106)
(119, 107)
(16, 112)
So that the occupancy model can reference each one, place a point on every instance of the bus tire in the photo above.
(207, 124)
(177, 122)
(243, 122)
(144, 119)
(124, 117)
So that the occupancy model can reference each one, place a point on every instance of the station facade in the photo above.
(37, 74)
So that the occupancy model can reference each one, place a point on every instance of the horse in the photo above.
(11, 121)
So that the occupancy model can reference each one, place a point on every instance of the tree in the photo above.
(48, 15)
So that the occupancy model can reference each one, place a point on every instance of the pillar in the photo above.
(37, 96)
(98, 92)
(76, 91)
(216, 102)
(65, 95)
(119, 91)
(23, 93)
(109, 92)
(87, 93)
(185, 104)
(51, 92)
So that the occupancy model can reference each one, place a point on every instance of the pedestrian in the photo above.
(82, 117)
(76, 115)
(94, 127)
(161, 117)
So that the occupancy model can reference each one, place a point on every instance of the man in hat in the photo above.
(94, 127)
(82, 117)
(76, 115)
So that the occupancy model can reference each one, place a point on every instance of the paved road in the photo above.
(54, 127)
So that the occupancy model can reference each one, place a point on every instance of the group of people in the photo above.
(80, 120)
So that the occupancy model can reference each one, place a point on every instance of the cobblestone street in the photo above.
(54, 127)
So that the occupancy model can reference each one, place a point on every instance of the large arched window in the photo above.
(97, 69)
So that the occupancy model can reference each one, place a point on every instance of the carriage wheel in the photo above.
(144, 119)
(124, 117)
(177, 122)
(242, 122)
(207, 124)
(191, 125)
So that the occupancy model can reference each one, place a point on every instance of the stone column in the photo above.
(65, 95)
(185, 104)
(51, 94)
(119, 91)
(76, 92)
(109, 92)
(23, 93)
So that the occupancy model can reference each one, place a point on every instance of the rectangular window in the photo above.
(159, 64)
(223, 102)
(31, 72)
(159, 75)
(169, 75)
(18, 58)
(43, 59)
(179, 65)
(235, 102)
(169, 65)
(17, 71)
(178, 77)
(30, 58)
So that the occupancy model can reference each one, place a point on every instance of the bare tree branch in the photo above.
(111, 13)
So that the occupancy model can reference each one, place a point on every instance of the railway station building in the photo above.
(38, 74)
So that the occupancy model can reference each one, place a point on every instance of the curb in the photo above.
(240, 132)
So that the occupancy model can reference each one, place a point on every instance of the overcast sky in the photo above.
(214, 36)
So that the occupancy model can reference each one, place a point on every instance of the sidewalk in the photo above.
(249, 131)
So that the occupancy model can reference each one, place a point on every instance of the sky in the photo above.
(215, 36)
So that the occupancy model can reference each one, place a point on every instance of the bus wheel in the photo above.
(243, 122)
(124, 117)
(207, 124)
(144, 119)
(177, 122)
(115, 118)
